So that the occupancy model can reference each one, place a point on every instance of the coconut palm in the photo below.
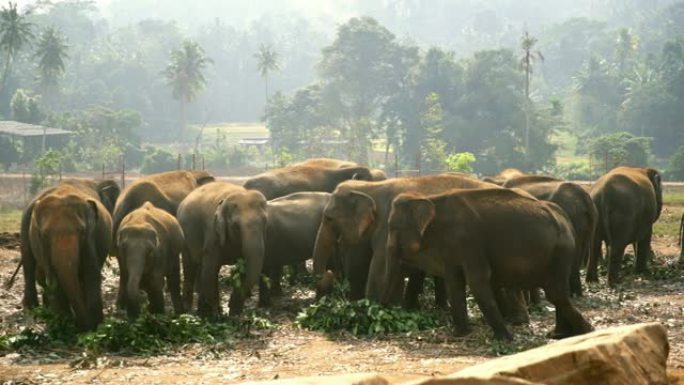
(51, 52)
(185, 75)
(527, 60)
(267, 62)
(15, 33)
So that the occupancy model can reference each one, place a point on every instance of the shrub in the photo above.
(676, 169)
(363, 317)
(461, 162)
(158, 160)
(574, 170)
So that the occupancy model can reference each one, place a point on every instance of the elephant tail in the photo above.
(604, 218)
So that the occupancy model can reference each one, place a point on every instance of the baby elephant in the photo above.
(293, 222)
(491, 239)
(149, 241)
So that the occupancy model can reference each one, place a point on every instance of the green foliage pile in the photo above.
(149, 334)
(363, 317)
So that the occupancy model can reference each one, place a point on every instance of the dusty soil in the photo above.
(285, 351)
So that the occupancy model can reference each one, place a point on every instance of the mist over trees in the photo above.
(551, 86)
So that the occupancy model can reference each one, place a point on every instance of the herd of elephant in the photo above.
(503, 237)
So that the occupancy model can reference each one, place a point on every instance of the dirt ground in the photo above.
(286, 351)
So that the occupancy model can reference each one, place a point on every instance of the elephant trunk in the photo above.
(393, 268)
(65, 259)
(135, 266)
(253, 253)
(324, 251)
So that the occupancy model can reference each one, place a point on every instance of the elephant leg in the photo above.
(440, 293)
(512, 305)
(298, 270)
(275, 276)
(615, 254)
(209, 305)
(569, 321)
(264, 290)
(594, 257)
(123, 279)
(456, 291)
(174, 287)
(535, 296)
(155, 294)
(190, 270)
(644, 254)
(575, 281)
(414, 287)
(30, 299)
(479, 280)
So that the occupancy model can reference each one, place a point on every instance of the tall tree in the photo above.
(185, 75)
(627, 43)
(529, 56)
(267, 62)
(361, 70)
(51, 52)
(15, 33)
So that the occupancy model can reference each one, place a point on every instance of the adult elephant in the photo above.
(150, 241)
(65, 236)
(629, 200)
(165, 191)
(296, 178)
(223, 224)
(491, 239)
(356, 217)
(293, 222)
(576, 202)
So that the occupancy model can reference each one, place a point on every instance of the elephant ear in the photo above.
(108, 191)
(202, 178)
(656, 181)
(364, 210)
(357, 173)
(423, 211)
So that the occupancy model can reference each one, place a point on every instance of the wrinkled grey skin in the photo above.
(355, 219)
(150, 241)
(491, 239)
(223, 224)
(629, 201)
(65, 236)
(576, 202)
(293, 222)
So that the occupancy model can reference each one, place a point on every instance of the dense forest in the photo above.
(555, 86)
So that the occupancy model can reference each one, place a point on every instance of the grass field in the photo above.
(10, 220)
(233, 132)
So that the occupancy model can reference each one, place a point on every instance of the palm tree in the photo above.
(625, 46)
(185, 75)
(267, 62)
(51, 53)
(527, 60)
(15, 33)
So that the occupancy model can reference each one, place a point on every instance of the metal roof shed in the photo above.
(34, 137)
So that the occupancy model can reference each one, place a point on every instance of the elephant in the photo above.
(293, 222)
(165, 191)
(65, 236)
(356, 218)
(223, 224)
(325, 163)
(491, 239)
(576, 202)
(629, 201)
(296, 178)
(503, 176)
(150, 241)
